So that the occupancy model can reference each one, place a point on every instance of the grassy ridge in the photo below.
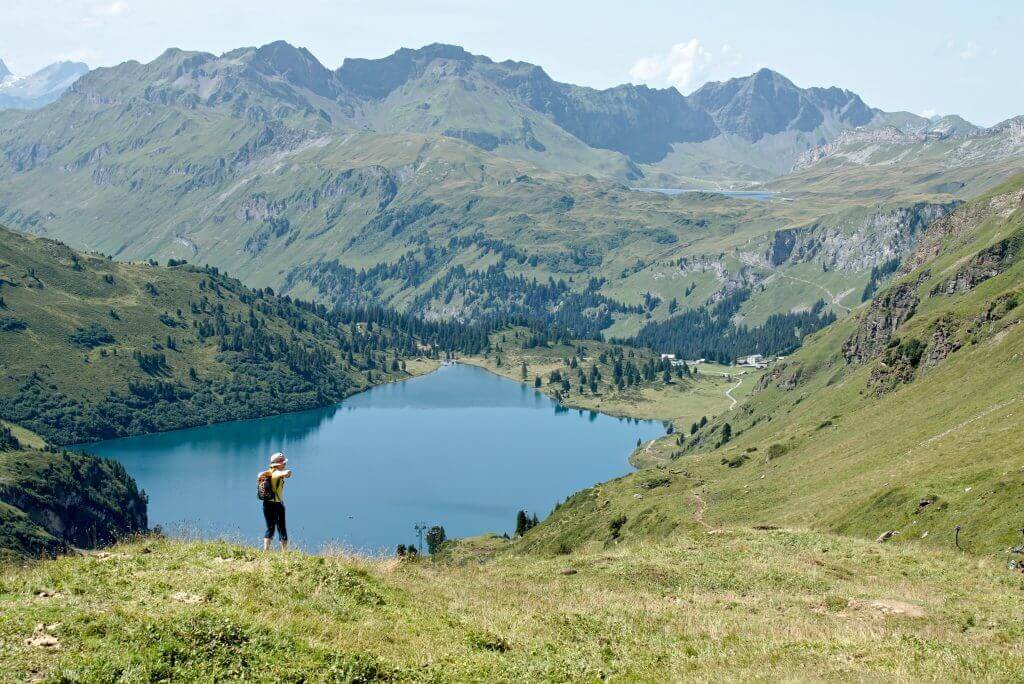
(739, 603)
(92, 348)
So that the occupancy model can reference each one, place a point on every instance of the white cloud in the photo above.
(645, 70)
(970, 50)
(928, 113)
(110, 9)
(684, 66)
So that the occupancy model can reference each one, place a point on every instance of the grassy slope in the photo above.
(44, 289)
(736, 604)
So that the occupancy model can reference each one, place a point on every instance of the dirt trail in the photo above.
(698, 513)
(728, 393)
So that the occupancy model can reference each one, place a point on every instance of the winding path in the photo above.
(728, 393)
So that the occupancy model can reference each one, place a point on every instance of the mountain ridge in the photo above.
(39, 88)
(403, 92)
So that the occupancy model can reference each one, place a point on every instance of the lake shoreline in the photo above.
(635, 458)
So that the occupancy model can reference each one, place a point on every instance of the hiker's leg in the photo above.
(282, 529)
(268, 518)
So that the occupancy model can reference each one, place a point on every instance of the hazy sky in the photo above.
(926, 57)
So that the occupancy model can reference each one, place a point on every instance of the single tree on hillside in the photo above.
(435, 537)
(726, 434)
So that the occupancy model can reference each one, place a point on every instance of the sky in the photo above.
(929, 58)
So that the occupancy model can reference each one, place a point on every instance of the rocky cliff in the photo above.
(856, 244)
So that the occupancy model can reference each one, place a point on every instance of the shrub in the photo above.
(736, 461)
(12, 324)
(435, 537)
(616, 526)
(92, 335)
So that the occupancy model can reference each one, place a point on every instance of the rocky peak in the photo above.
(767, 102)
(4, 71)
(376, 78)
(294, 65)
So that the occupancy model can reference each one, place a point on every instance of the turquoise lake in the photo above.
(461, 447)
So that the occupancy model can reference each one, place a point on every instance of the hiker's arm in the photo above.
(286, 473)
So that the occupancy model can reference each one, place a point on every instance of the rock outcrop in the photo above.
(887, 312)
(860, 246)
(988, 263)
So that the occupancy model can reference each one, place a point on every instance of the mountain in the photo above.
(93, 348)
(949, 141)
(768, 103)
(745, 128)
(39, 88)
(54, 501)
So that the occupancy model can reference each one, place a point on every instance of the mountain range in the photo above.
(516, 109)
(451, 186)
(39, 88)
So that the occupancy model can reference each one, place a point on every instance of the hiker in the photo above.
(270, 489)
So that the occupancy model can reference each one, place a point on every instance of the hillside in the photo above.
(52, 501)
(738, 603)
(94, 348)
(900, 418)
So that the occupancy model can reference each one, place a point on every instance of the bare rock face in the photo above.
(943, 343)
(986, 264)
(956, 225)
(859, 246)
(878, 325)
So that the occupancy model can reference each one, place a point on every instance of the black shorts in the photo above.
(273, 514)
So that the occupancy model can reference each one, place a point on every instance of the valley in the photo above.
(678, 386)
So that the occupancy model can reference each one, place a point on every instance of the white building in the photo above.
(754, 360)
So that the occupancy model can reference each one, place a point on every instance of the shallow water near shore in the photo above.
(461, 447)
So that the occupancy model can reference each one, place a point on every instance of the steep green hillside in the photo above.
(51, 501)
(901, 418)
(93, 348)
(735, 604)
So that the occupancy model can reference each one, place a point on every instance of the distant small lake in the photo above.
(460, 447)
(758, 195)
